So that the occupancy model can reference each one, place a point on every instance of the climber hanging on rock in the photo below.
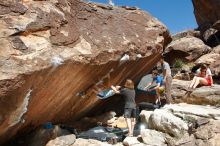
(98, 88)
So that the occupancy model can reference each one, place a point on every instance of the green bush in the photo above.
(179, 63)
(218, 103)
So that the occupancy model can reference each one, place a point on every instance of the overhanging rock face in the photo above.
(55, 54)
(207, 15)
(206, 12)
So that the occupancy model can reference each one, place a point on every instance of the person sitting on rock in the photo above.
(203, 77)
(159, 88)
(128, 94)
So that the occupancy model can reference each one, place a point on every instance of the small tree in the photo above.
(218, 103)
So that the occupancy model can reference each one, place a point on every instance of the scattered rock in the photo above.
(105, 119)
(205, 135)
(182, 76)
(202, 121)
(66, 140)
(215, 140)
(210, 36)
(106, 7)
(120, 123)
(185, 140)
(89, 142)
(208, 58)
(152, 137)
(187, 33)
(216, 25)
(216, 49)
(129, 8)
(145, 115)
(130, 141)
(18, 44)
(40, 137)
(8, 7)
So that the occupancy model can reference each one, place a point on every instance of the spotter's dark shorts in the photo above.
(130, 113)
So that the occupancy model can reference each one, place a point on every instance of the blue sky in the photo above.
(177, 15)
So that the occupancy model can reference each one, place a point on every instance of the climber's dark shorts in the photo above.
(130, 113)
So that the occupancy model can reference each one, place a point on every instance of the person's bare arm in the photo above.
(116, 88)
(211, 80)
(148, 85)
(209, 73)
(164, 74)
(158, 85)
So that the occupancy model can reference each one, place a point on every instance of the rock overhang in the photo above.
(56, 49)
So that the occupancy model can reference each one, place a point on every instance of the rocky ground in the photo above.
(173, 125)
(195, 123)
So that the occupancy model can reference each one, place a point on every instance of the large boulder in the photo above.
(186, 48)
(186, 33)
(55, 55)
(165, 121)
(210, 58)
(206, 12)
(211, 37)
(208, 16)
(213, 59)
